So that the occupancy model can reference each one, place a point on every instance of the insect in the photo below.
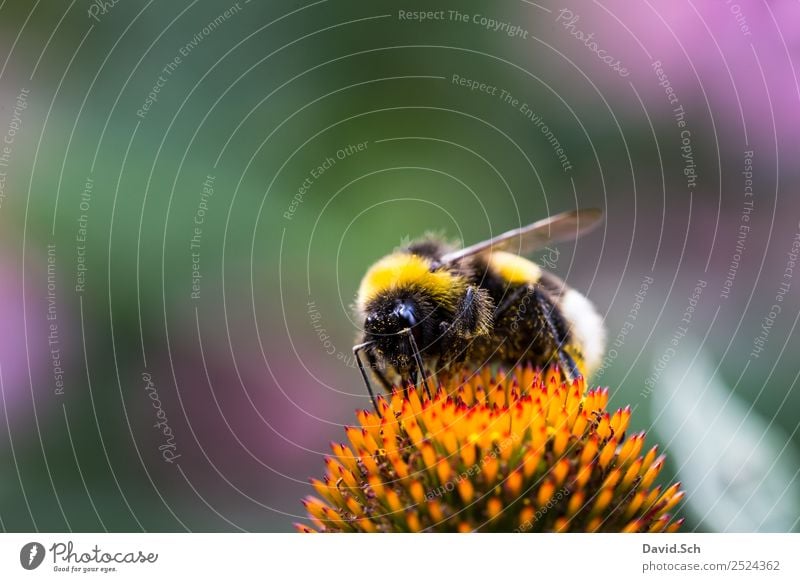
(429, 306)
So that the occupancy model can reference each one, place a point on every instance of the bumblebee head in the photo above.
(406, 291)
(392, 316)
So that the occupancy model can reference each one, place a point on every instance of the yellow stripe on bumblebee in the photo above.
(513, 268)
(400, 270)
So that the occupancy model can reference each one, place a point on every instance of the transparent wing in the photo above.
(521, 241)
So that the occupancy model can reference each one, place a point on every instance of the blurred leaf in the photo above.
(740, 471)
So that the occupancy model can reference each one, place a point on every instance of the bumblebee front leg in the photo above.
(372, 361)
(418, 361)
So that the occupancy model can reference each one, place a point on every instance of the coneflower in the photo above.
(521, 452)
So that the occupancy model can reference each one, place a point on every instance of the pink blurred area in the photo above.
(737, 59)
(35, 341)
(247, 431)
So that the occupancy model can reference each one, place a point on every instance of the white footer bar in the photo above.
(398, 557)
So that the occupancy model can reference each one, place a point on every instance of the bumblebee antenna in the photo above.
(418, 360)
(356, 349)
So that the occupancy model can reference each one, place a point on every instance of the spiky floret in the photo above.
(518, 452)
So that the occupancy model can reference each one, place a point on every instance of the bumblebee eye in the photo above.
(405, 314)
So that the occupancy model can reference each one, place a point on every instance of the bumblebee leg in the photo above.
(372, 361)
(411, 382)
(356, 349)
(512, 298)
(418, 360)
(566, 361)
(454, 348)
(466, 316)
(473, 319)
(474, 313)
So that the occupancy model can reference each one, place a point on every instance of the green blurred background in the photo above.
(155, 247)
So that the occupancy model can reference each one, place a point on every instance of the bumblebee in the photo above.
(431, 307)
